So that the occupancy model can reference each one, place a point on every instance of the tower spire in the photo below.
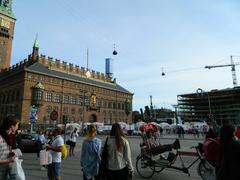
(35, 52)
(88, 74)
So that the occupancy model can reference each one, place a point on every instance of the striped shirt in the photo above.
(4, 149)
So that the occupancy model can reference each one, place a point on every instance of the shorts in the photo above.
(73, 144)
(49, 171)
(54, 170)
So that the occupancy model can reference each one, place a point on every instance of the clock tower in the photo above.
(7, 23)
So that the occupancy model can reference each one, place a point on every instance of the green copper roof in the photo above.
(36, 44)
(39, 86)
(6, 8)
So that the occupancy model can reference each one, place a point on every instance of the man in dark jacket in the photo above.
(230, 169)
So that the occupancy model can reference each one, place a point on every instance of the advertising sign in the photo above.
(33, 114)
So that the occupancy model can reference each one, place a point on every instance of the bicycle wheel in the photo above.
(145, 166)
(206, 170)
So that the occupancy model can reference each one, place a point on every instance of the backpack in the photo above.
(64, 152)
(213, 152)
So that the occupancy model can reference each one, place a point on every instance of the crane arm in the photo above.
(209, 67)
(234, 77)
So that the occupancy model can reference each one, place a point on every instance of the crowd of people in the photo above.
(119, 152)
(221, 150)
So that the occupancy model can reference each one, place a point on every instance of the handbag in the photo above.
(16, 170)
(68, 142)
(103, 163)
(43, 157)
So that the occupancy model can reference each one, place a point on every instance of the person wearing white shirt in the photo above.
(73, 140)
(54, 170)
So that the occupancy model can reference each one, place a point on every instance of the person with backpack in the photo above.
(73, 140)
(90, 155)
(56, 151)
(230, 168)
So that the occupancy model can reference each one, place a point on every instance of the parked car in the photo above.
(27, 142)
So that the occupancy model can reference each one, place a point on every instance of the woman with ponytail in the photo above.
(90, 155)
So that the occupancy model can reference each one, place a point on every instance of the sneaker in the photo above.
(176, 144)
(43, 168)
(171, 156)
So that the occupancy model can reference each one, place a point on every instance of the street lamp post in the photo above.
(127, 108)
(83, 110)
(201, 91)
(175, 106)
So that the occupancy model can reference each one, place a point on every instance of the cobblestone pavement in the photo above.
(71, 169)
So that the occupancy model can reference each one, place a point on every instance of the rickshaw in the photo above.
(152, 160)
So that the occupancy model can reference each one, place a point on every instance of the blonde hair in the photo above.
(92, 130)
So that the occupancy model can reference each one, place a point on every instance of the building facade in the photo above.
(42, 90)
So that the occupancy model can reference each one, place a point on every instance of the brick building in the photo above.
(40, 89)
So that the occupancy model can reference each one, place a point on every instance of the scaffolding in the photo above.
(220, 106)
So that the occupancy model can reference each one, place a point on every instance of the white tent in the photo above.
(156, 124)
(98, 123)
(139, 124)
(165, 125)
(71, 126)
(123, 125)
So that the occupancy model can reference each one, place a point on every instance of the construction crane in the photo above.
(234, 76)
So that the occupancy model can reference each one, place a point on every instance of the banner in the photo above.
(33, 114)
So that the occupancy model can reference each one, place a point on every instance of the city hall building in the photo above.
(44, 90)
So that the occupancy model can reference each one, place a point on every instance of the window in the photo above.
(55, 108)
(73, 100)
(109, 104)
(80, 111)
(87, 101)
(57, 98)
(13, 96)
(73, 110)
(8, 97)
(99, 103)
(48, 96)
(3, 98)
(65, 98)
(122, 106)
(49, 109)
(37, 95)
(78, 100)
(65, 110)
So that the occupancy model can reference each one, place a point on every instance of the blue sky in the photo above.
(180, 36)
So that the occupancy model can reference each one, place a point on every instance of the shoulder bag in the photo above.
(104, 161)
